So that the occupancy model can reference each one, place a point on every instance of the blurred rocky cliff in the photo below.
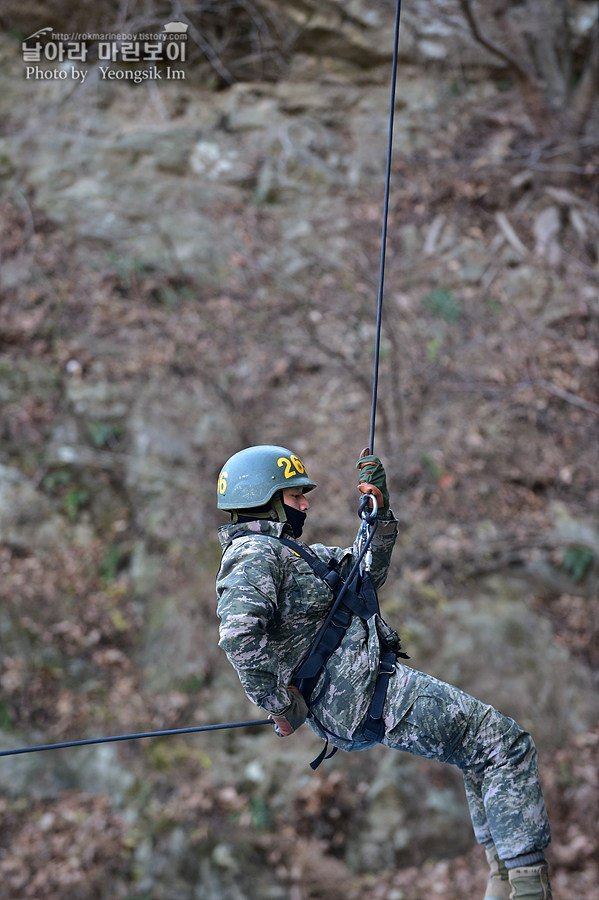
(189, 266)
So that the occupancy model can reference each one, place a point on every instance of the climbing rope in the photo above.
(134, 737)
(379, 313)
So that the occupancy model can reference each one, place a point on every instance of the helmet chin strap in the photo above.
(279, 507)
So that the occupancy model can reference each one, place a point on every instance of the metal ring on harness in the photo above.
(368, 517)
(367, 528)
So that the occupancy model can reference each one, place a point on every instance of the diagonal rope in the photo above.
(134, 737)
(379, 313)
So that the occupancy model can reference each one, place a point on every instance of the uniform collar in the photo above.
(257, 526)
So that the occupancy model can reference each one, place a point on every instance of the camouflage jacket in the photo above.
(271, 605)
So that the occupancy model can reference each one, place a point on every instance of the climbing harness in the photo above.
(354, 596)
(134, 737)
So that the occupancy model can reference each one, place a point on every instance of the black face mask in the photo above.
(295, 518)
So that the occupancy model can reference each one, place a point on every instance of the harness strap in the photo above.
(374, 726)
(359, 598)
(328, 571)
(324, 754)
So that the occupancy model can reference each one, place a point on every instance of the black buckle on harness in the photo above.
(387, 668)
(374, 726)
(341, 617)
(334, 580)
(374, 729)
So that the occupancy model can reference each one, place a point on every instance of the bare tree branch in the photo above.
(491, 46)
(568, 396)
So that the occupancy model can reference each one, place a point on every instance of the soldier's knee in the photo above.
(511, 744)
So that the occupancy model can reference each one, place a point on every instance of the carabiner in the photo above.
(367, 528)
(368, 517)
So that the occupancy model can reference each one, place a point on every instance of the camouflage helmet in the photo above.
(250, 478)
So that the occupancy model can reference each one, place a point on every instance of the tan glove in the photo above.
(291, 718)
(373, 479)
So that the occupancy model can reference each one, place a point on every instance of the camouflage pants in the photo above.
(498, 759)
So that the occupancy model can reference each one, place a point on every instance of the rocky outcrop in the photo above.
(187, 271)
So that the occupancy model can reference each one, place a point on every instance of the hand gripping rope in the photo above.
(368, 516)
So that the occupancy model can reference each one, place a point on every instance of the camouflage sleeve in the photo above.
(247, 586)
(381, 546)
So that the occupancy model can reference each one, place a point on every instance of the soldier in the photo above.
(272, 603)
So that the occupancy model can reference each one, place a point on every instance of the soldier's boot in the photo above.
(498, 885)
(530, 883)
